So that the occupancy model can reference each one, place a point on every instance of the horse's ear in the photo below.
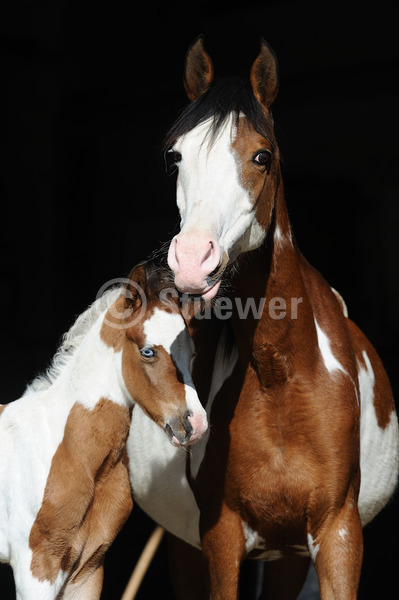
(264, 75)
(136, 289)
(198, 71)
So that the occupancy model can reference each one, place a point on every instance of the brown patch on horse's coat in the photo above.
(87, 496)
(2, 408)
(261, 183)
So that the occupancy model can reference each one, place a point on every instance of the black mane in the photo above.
(230, 95)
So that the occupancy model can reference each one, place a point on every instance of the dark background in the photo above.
(88, 93)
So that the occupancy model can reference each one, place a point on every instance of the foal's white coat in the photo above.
(84, 371)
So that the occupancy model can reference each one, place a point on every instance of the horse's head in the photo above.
(145, 326)
(225, 150)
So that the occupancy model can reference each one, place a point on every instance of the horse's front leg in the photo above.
(186, 566)
(336, 547)
(223, 546)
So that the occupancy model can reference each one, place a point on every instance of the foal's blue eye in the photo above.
(148, 352)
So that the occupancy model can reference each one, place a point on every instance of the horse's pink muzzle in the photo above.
(193, 259)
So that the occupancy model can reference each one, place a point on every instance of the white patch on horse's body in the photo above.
(313, 548)
(341, 302)
(379, 457)
(280, 238)
(253, 541)
(159, 480)
(330, 362)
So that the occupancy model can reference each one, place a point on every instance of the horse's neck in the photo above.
(272, 277)
(94, 373)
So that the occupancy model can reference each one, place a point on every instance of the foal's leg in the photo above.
(29, 587)
(337, 551)
(223, 546)
(87, 588)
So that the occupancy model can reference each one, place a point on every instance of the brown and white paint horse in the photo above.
(64, 484)
(303, 444)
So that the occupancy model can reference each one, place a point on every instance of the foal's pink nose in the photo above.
(193, 258)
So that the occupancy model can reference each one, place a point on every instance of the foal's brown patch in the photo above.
(112, 332)
(2, 408)
(87, 497)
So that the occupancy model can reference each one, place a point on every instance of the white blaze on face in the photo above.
(162, 329)
(169, 331)
(209, 194)
(217, 214)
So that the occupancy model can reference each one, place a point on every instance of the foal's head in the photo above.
(225, 150)
(146, 328)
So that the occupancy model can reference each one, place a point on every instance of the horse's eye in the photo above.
(148, 352)
(172, 158)
(262, 158)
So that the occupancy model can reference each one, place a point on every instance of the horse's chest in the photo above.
(273, 498)
(271, 476)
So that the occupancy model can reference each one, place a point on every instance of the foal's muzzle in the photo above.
(185, 430)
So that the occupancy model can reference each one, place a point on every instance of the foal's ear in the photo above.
(135, 290)
(198, 70)
(264, 75)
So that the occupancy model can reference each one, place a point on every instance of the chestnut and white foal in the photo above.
(304, 438)
(64, 484)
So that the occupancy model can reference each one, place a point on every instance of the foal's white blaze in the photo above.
(169, 331)
(379, 459)
(330, 362)
(216, 211)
